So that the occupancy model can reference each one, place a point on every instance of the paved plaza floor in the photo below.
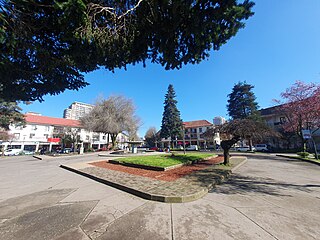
(267, 198)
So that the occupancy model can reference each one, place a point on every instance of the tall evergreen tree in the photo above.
(171, 121)
(10, 114)
(242, 102)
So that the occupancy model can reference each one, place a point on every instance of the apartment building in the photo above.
(194, 131)
(193, 135)
(217, 121)
(77, 110)
(46, 132)
(274, 117)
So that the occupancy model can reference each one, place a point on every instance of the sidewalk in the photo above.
(184, 189)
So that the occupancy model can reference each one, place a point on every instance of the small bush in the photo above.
(303, 154)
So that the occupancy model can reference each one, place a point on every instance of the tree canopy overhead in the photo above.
(47, 45)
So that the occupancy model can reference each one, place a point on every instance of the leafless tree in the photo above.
(112, 116)
(151, 136)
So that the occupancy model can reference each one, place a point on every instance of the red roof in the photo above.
(198, 123)
(30, 118)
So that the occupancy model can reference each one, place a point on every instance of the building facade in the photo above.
(77, 110)
(193, 135)
(194, 131)
(274, 117)
(217, 121)
(42, 132)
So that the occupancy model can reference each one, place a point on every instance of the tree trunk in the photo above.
(226, 156)
(226, 145)
(113, 139)
(250, 144)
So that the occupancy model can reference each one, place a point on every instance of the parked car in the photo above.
(245, 149)
(192, 148)
(154, 148)
(262, 147)
(12, 152)
(25, 152)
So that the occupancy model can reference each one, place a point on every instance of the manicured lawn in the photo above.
(166, 160)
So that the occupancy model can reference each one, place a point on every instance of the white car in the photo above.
(12, 152)
(262, 147)
(245, 149)
(192, 148)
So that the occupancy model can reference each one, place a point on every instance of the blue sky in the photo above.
(279, 45)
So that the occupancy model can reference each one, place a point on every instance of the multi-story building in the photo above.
(274, 117)
(194, 131)
(219, 121)
(77, 110)
(47, 132)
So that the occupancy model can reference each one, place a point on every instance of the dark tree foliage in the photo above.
(237, 129)
(242, 102)
(171, 121)
(47, 45)
(10, 114)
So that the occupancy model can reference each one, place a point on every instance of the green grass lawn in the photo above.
(166, 160)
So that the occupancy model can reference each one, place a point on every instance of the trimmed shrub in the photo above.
(303, 154)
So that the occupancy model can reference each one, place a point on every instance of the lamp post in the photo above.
(184, 140)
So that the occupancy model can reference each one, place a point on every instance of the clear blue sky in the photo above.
(279, 45)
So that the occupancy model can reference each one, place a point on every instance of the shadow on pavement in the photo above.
(238, 184)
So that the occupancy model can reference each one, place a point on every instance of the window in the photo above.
(31, 135)
(47, 129)
(34, 127)
(46, 136)
(104, 137)
(200, 130)
(282, 119)
(87, 137)
(16, 136)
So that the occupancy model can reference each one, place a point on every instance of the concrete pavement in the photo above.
(267, 198)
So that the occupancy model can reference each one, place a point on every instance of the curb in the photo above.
(159, 197)
(37, 157)
(297, 158)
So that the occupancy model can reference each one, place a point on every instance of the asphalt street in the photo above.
(267, 198)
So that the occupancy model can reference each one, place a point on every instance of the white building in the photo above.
(194, 131)
(45, 132)
(77, 110)
(219, 120)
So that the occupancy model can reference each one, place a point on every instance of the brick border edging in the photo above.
(297, 158)
(160, 198)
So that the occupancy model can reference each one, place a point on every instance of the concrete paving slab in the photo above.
(75, 233)
(91, 191)
(208, 220)
(17, 206)
(107, 211)
(46, 223)
(151, 221)
(302, 203)
(237, 200)
(285, 224)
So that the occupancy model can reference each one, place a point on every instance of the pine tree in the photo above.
(242, 102)
(171, 121)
